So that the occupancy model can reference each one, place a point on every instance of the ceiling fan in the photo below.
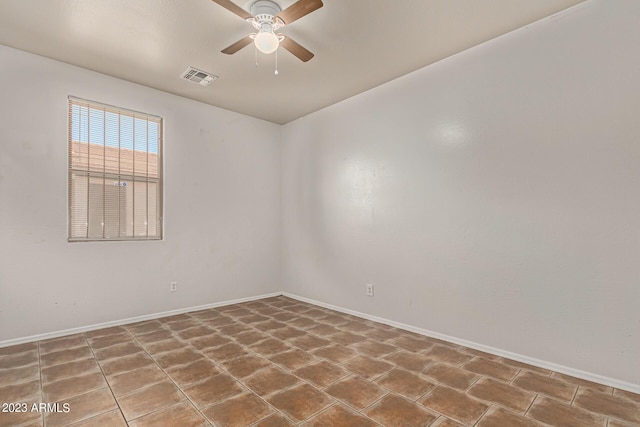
(267, 17)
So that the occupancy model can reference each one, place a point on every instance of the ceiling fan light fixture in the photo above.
(266, 42)
(267, 17)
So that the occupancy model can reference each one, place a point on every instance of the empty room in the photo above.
(318, 213)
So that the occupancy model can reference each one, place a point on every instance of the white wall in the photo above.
(222, 210)
(492, 197)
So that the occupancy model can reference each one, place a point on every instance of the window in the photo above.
(115, 173)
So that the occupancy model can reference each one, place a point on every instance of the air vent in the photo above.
(198, 76)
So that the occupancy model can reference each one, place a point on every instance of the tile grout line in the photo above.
(105, 380)
(41, 382)
(334, 400)
(485, 413)
(342, 366)
(514, 377)
(256, 354)
(224, 370)
(356, 347)
(174, 335)
(291, 372)
(92, 357)
(377, 358)
(575, 393)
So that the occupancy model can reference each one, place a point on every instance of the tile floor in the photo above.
(280, 362)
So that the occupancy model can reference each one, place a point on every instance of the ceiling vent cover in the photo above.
(198, 76)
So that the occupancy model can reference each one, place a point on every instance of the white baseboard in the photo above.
(120, 322)
(612, 382)
(622, 385)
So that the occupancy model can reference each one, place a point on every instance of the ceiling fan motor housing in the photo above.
(264, 12)
(264, 9)
(264, 20)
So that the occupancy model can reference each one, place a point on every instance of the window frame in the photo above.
(71, 101)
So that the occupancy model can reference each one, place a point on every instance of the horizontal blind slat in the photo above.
(115, 174)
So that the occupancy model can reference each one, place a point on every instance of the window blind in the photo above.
(115, 173)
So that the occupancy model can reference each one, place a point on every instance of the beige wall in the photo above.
(221, 218)
(491, 197)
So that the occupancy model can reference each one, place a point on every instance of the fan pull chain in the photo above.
(256, 51)
(276, 72)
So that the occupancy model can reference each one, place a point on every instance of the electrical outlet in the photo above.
(369, 289)
(173, 286)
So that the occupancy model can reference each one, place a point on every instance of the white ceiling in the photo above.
(358, 44)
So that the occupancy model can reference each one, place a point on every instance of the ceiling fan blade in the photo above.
(296, 49)
(238, 45)
(232, 7)
(298, 10)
